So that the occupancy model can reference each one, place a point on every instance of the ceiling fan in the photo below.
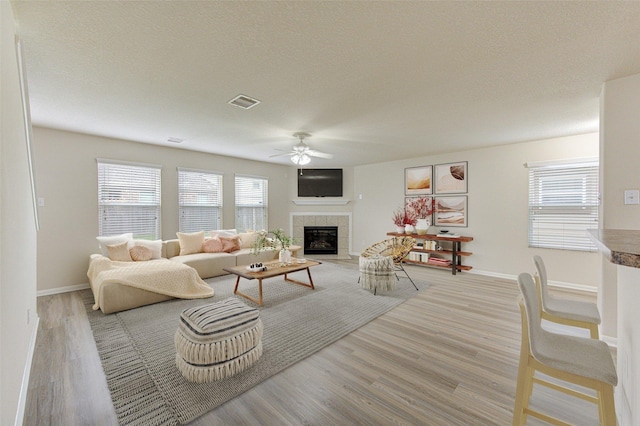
(301, 153)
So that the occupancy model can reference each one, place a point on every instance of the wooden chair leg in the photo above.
(593, 330)
(518, 409)
(524, 386)
(606, 406)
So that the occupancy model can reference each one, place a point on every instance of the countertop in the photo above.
(621, 246)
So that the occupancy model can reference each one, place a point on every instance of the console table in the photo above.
(454, 252)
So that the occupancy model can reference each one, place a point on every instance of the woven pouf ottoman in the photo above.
(377, 273)
(217, 340)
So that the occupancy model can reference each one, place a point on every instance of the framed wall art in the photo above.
(451, 178)
(420, 207)
(418, 180)
(451, 211)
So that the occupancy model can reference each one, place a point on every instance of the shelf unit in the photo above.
(454, 252)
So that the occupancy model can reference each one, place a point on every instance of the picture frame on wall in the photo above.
(451, 210)
(418, 180)
(421, 206)
(451, 178)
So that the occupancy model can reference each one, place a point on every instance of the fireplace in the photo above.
(320, 240)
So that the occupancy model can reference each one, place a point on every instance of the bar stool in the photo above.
(578, 360)
(562, 311)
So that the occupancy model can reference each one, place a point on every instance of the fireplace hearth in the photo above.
(321, 240)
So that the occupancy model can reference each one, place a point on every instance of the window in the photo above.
(199, 200)
(563, 204)
(251, 202)
(128, 199)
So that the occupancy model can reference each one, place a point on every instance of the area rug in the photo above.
(138, 355)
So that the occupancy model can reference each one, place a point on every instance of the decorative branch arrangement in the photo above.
(419, 207)
(272, 240)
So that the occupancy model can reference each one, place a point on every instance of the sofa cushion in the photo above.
(212, 245)
(103, 242)
(119, 252)
(116, 297)
(248, 239)
(208, 264)
(246, 256)
(230, 244)
(140, 253)
(190, 242)
(154, 245)
(223, 233)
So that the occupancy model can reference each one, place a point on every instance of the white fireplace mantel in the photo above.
(320, 202)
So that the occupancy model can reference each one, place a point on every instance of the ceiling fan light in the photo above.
(300, 159)
(304, 159)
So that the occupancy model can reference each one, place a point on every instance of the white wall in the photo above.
(498, 188)
(620, 151)
(18, 320)
(66, 174)
(497, 206)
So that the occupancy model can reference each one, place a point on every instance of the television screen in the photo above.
(319, 182)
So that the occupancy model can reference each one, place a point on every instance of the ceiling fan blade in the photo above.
(280, 155)
(319, 154)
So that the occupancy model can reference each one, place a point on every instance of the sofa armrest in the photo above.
(171, 248)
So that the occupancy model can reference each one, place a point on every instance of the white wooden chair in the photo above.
(578, 360)
(563, 311)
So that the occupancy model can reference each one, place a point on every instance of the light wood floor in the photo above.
(448, 356)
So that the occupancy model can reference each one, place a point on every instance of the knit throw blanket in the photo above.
(161, 276)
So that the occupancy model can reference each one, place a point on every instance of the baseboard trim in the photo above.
(611, 341)
(24, 387)
(557, 284)
(59, 290)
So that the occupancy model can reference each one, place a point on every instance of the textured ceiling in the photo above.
(371, 81)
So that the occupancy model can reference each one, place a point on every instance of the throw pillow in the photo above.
(212, 245)
(248, 239)
(223, 233)
(119, 252)
(190, 242)
(154, 245)
(230, 244)
(140, 253)
(103, 242)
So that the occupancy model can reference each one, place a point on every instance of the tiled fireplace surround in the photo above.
(342, 220)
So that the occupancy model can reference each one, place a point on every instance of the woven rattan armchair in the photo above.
(397, 248)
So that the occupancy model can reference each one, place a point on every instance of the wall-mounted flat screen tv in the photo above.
(319, 182)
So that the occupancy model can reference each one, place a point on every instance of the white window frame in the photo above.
(251, 202)
(200, 200)
(563, 204)
(129, 198)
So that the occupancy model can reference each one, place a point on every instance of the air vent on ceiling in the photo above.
(244, 102)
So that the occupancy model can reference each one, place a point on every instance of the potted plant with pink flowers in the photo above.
(422, 209)
(398, 220)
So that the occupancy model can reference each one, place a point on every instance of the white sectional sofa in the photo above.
(187, 249)
(212, 264)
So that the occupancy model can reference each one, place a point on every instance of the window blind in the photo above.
(251, 202)
(563, 204)
(128, 199)
(199, 200)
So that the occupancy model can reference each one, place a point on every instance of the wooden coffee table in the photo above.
(273, 270)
